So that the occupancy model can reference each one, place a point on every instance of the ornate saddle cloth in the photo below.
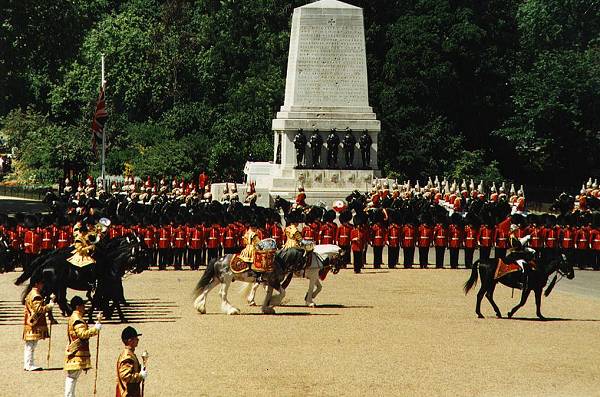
(504, 268)
(81, 261)
(237, 265)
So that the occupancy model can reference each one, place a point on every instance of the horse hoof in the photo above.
(510, 314)
(312, 304)
(233, 311)
(268, 310)
(252, 303)
(480, 316)
(499, 315)
(542, 318)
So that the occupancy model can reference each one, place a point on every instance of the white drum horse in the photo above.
(325, 257)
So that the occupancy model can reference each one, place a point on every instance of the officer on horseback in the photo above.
(518, 252)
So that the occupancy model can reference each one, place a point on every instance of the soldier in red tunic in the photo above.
(595, 241)
(409, 234)
(358, 241)
(440, 239)
(32, 241)
(567, 236)
(455, 238)
(551, 235)
(486, 238)
(195, 244)
(471, 237)
(424, 239)
(165, 252)
(178, 242)
(328, 231)
(213, 238)
(501, 233)
(582, 241)
(149, 233)
(537, 233)
(393, 237)
(230, 237)
(342, 237)
(377, 237)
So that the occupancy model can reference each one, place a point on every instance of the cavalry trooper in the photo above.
(130, 374)
(77, 355)
(35, 326)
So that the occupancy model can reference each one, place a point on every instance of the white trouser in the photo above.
(71, 382)
(28, 352)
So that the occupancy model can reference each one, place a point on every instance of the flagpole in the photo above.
(102, 83)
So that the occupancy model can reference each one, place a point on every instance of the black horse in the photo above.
(113, 259)
(536, 281)
(218, 272)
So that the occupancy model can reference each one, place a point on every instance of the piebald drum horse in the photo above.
(218, 272)
(325, 257)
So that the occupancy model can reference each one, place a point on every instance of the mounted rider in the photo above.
(518, 251)
(85, 236)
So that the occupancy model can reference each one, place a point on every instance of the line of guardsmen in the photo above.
(175, 243)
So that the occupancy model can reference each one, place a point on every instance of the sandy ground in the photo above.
(385, 332)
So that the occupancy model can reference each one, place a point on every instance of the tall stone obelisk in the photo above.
(326, 88)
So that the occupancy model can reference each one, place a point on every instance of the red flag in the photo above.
(100, 116)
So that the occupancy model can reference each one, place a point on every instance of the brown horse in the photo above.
(537, 278)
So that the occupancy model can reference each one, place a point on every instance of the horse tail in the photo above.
(206, 279)
(26, 291)
(473, 279)
(30, 270)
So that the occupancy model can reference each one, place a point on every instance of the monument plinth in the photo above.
(326, 89)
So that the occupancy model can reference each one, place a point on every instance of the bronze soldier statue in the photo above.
(349, 142)
(365, 143)
(316, 142)
(333, 141)
(300, 145)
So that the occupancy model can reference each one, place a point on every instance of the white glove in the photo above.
(98, 326)
(144, 373)
(50, 306)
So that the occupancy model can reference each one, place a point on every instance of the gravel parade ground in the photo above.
(383, 332)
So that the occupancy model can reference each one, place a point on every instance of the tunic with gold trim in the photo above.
(128, 374)
(35, 326)
(77, 355)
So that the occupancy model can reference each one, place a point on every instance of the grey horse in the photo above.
(218, 272)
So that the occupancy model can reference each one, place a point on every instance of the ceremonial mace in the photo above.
(52, 299)
(145, 356)
(99, 319)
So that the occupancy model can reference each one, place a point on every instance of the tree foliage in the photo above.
(501, 88)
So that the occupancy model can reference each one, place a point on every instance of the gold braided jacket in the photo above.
(34, 324)
(128, 374)
(77, 355)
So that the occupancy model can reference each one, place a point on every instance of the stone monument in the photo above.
(326, 90)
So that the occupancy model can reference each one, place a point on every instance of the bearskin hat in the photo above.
(294, 216)
(456, 219)
(533, 219)
(394, 216)
(329, 216)
(517, 219)
(360, 218)
(596, 219)
(426, 219)
(472, 219)
(345, 216)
